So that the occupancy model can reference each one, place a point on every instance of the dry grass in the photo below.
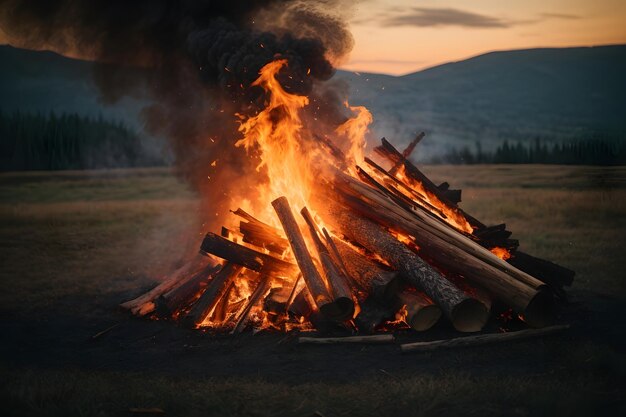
(81, 236)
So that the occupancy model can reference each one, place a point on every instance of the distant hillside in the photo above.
(42, 81)
(554, 94)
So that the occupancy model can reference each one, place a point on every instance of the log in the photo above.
(249, 258)
(261, 234)
(453, 195)
(277, 300)
(379, 338)
(422, 314)
(482, 339)
(373, 314)
(221, 309)
(552, 274)
(406, 153)
(312, 278)
(465, 313)
(375, 281)
(144, 304)
(535, 266)
(259, 291)
(339, 287)
(212, 295)
(388, 151)
(181, 296)
(453, 251)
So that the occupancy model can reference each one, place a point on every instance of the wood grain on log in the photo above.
(422, 314)
(249, 258)
(144, 304)
(312, 278)
(465, 313)
(339, 287)
(453, 251)
(212, 294)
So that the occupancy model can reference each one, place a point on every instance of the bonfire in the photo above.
(341, 241)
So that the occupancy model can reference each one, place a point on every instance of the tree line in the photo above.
(67, 141)
(592, 151)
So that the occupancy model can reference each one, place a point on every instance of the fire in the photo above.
(355, 130)
(501, 253)
(450, 214)
(278, 135)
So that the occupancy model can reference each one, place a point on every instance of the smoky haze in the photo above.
(194, 62)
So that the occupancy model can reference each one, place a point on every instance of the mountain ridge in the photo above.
(556, 94)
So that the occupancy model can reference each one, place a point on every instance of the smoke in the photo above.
(194, 61)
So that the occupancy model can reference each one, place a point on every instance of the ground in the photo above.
(75, 244)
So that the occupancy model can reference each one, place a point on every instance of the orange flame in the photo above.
(277, 134)
(501, 253)
(451, 215)
(355, 130)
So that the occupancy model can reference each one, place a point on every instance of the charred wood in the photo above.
(249, 258)
(212, 295)
(338, 282)
(465, 313)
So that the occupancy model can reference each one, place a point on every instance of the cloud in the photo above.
(560, 16)
(429, 17)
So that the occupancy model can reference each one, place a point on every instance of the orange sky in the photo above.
(402, 36)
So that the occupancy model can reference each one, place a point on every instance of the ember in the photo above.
(373, 249)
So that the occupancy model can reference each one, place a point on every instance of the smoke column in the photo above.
(194, 61)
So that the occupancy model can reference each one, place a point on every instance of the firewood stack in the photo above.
(383, 249)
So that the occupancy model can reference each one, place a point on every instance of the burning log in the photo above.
(312, 277)
(373, 314)
(221, 309)
(144, 304)
(481, 339)
(259, 291)
(260, 234)
(454, 252)
(249, 258)
(340, 290)
(388, 151)
(212, 295)
(421, 313)
(465, 313)
(182, 295)
(378, 338)
(406, 153)
(371, 277)
(554, 275)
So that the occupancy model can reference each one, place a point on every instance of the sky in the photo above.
(402, 36)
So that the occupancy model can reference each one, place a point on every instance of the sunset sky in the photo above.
(402, 36)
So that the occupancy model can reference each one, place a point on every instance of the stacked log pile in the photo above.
(378, 248)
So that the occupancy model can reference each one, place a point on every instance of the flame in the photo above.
(501, 253)
(451, 215)
(355, 130)
(276, 132)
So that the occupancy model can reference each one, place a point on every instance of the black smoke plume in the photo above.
(194, 61)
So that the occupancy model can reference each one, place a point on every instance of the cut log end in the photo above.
(425, 318)
(341, 309)
(541, 310)
(470, 315)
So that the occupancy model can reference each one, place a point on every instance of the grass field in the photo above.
(73, 244)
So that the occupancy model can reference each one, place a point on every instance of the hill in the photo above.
(556, 94)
